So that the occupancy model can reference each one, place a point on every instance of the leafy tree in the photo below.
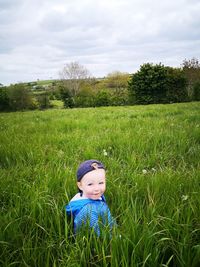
(66, 96)
(191, 69)
(117, 80)
(196, 92)
(4, 99)
(191, 63)
(117, 83)
(43, 101)
(20, 97)
(119, 97)
(102, 98)
(148, 85)
(85, 98)
(74, 75)
(157, 84)
(176, 85)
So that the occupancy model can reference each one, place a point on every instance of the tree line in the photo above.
(151, 84)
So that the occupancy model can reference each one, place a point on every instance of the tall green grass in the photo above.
(152, 155)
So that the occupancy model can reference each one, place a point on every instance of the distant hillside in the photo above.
(41, 84)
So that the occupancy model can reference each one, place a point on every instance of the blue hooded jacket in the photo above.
(88, 210)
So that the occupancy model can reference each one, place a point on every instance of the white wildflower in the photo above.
(153, 170)
(184, 197)
(144, 171)
(105, 153)
(61, 153)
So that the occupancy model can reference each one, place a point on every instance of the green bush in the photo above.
(4, 99)
(119, 97)
(20, 97)
(85, 97)
(43, 101)
(103, 98)
(66, 97)
(176, 86)
(196, 92)
(157, 84)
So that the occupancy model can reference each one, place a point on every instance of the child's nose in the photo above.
(96, 188)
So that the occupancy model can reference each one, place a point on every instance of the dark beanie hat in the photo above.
(88, 166)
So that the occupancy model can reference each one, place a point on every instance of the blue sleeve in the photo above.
(109, 219)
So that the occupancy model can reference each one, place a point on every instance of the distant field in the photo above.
(46, 82)
(152, 155)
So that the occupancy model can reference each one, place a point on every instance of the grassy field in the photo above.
(46, 82)
(152, 155)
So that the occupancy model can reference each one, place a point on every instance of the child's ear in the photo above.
(79, 185)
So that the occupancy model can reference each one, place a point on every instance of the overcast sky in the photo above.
(38, 37)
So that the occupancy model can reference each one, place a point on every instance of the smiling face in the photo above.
(93, 184)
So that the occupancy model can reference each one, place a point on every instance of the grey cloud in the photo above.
(38, 37)
(7, 4)
(74, 18)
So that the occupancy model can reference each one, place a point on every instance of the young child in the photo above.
(89, 205)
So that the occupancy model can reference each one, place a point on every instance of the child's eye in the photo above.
(101, 183)
(90, 184)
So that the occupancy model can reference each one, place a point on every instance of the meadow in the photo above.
(152, 156)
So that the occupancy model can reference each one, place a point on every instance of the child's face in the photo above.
(93, 184)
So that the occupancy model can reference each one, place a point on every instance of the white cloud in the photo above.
(38, 37)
